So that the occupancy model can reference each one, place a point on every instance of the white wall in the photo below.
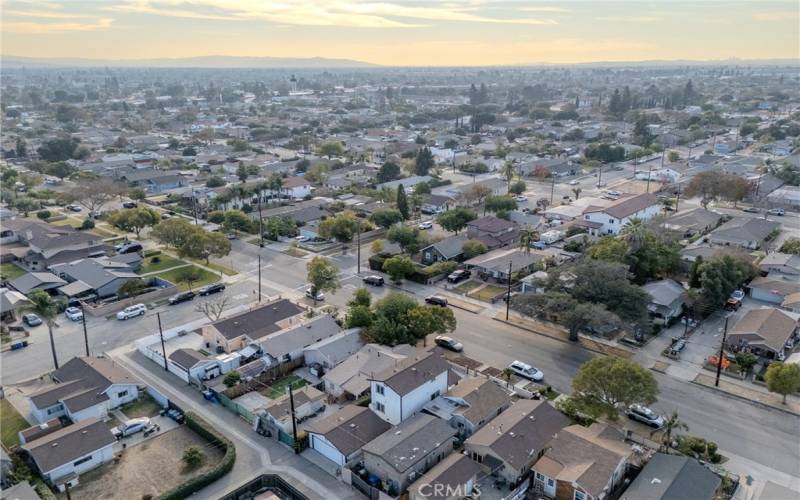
(99, 457)
(397, 409)
(41, 415)
(389, 399)
(328, 450)
(114, 398)
(99, 411)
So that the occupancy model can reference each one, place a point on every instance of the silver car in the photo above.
(645, 415)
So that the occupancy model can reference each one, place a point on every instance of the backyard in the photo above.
(278, 388)
(145, 406)
(149, 468)
(11, 423)
(11, 271)
(179, 277)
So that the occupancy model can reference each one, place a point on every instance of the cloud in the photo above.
(43, 14)
(629, 19)
(48, 28)
(789, 15)
(544, 8)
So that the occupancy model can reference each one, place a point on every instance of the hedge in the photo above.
(225, 465)
(150, 253)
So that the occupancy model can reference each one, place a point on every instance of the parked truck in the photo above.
(551, 237)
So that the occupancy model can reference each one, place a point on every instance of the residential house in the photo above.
(101, 278)
(496, 264)
(407, 182)
(329, 353)
(435, 203)
(615, 216)
(778, 262)
(191, 364)
(494, 186)
(62, 456)
(493, 231)
(20, 491)
(764, 332)
(340, 436)
(787, 197)
(553, 167)
(236, 332)
(513, 441)
(450, 248)
(350, 379)
(402, 454)
(792, 302)
(667, 300)
(296, 187)
(48, 245)
(745, 232)
(31, 282)
(12, 303)
(453, 478)
(277, 415)
(693, 222)
(85, 388)
(673, 477)
(35, 432)
(402, 390)
(774, 287)
(470, 404)
(582, 463)
(290, 343)
(152, 180)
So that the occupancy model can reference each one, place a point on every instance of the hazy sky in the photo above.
(403, 32)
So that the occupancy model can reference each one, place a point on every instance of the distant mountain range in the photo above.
(185, 62)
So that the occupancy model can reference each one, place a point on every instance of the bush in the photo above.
(150, 253)
(443, 267)
(224, 466)
(87, 224)
(192, 456)
(155, 259)
(43, 214)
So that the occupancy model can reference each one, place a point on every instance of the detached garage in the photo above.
(340, 437)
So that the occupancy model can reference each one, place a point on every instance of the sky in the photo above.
(405, 32)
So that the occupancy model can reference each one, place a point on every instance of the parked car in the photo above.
(130, 204)
(751, 210)
(645, 415)
(74, 313)
(129, 247)
(130, 427)
(521, 198)
(777, 211)
(737, 294)
(213, 288)
(436, 300)
(428, 224)
(74, 208)
(151, 429)
(181, 297)
(527, 371)
(374, 280)
(310, 294)
(573, 182)
(31, 319)
(301, 238)
(458, 275)
(733, 305)
(449, 343)
(132, 312)
(693, 323)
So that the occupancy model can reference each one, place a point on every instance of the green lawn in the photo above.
(489, 292)
(162, 262)
(11, 422)
(467, 286)
(213, 265)
(295, 252)
(11, 271)
(174, 276)
(145, 406)
(278, 389)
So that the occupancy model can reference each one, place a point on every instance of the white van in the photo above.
(132, 312)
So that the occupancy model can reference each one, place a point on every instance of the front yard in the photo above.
(149, 468)
(159, 262)
(10, 271)
(145, 406)
(179, 277)
(488, 292)
(11, 422)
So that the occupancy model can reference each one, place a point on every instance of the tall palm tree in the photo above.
(508, 173)
(43, 306)
(577, 191)
(672, 424)
(527, 237)
(506, 374)
(635, 232)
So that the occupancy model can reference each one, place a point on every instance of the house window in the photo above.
(81, 461)
(379, 389)
(434, 395)
(54, 409)
(579, 495)
(610, 221)
(122, 394)
(380, 407)
(540, 476)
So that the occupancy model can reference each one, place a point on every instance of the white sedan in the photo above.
(425, 225)
(74, 313)
(521, 198)
(574, 182)
(526, 371)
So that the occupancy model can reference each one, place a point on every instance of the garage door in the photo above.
(326, 449)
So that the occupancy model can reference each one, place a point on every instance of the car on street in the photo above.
(129, 247)
(449, 343)
(213, 288)
(751, 210)
(373, 280)
(521, 198)
(574, 182)
(181, 297)
(31, 319)
(733, 305)
(645, 415)
(301, 238)
(527, 371)
(458, 275)
(737, 294)
(74, 313)
(310, 294)
(130, 204)
(74, 208)
(436, 300)
(130, 427)
(777, 211)
(693, 323)
(132, 312)
(428, 224)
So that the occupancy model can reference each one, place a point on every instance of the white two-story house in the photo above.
(615, 216)
(404, 389)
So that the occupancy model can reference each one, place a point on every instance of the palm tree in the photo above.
(635, 233)
(506, 374)
(508, 173)
(527, 237)
(673, 423)
(577, 191)
(43, 306)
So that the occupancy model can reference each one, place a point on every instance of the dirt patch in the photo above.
(151, 467)
(661, 366)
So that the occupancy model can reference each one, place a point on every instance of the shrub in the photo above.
(151, 253)
(232, 378)
(155, 259)
(43, 214)
(87, 224)
(192, 456)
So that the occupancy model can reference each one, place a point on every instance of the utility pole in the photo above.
(260, 222)
(194, 207)
(649, 174)
(163, 348)
(508, 292)
(358, 249)
(721, 350)
(552, 189)
(677, 196)
(663, 151)
(600, 175)
(295, 445)
(259, 277)
(85, 334)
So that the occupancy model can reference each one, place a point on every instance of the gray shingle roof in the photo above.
(450, 247)
(672, 477)
(299, 337)
(413, 371)
(351, 428)
(186, 358)
(411, 441)
(70, 443)
(258, 322)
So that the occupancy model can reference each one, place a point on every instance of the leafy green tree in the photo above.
(473, 248)
(192, 456)
(402, 202)
(215, 181)
(386, 217)
(508, 172)
(174, 232)
(236, 221)
(323, 275)
(43, 305)
(359, 317)
(60, 169)
(783, 378)
(232, 378)
(135, 219)
(606, 384)
(609, 248)
(361, 297)
(203, 244)
(398, 319)
(26, 204)
(694, 272)
(424, 162)
(720, 276)
(389, 171)
(746, 361)
(241, 172)
(587, 315)
(398, 267)
(422, 188)
(59, 149)
(341, 227)
(496, 204)
(216, 217)
(791, 245)
(527, 237)
(606, 283)
(672, 424)
(376, 246)
(331, 149)
(137, 194)
(409, 238)
(517, 187)
(456, 219)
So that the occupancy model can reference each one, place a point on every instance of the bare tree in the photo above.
(212, 310)
(94, 193)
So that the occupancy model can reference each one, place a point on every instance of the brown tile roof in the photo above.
(769, 327)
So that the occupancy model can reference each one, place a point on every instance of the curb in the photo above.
(751, 401)
(451, 304)
(510, 323)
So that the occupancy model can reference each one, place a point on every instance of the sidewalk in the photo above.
(756, 396)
